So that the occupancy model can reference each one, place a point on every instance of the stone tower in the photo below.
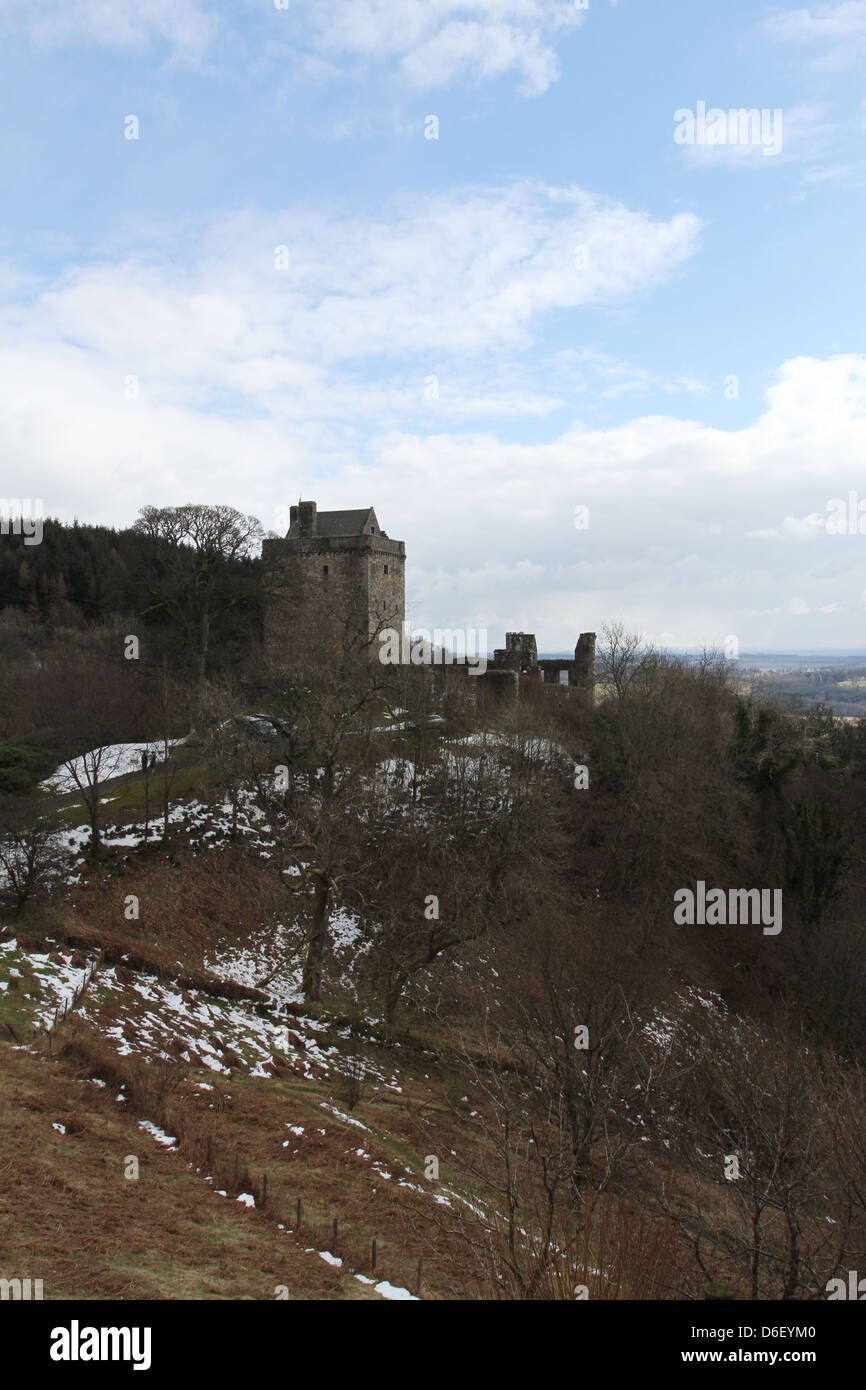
(521, 652)
(583, 671)
(338, 579)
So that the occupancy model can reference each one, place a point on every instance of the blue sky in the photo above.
(438, 345)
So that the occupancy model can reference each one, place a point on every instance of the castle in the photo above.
(339, 580)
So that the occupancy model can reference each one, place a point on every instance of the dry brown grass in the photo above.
(69, 1217)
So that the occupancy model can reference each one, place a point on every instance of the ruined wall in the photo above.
(499, 686)
(583, 670)
(520, 655)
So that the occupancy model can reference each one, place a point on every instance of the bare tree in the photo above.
(512, 1226)
(231, 745)
(29, 854)
(171, 697)
(193, 569)
(622, 658)
(752, 1184)
(89, 771)
(455, 852)
(314, 812)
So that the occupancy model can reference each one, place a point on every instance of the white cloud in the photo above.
(831, 36)
(490, 523)
(792, 528)
(429, 43)
(450, 274)
(611, 378)
(820, 23)
(464, 50)
(187, 25)
(437, 42)
(257, 385)
(803, 133)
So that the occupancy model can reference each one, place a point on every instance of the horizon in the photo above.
(482, 265)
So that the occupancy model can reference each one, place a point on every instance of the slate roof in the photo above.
(332, 524)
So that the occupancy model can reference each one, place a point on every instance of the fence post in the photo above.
(335, 1236)
(373, 1255)
(300, 1213)
(264, 1189)
(420, 1278)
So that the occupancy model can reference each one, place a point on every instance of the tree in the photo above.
(664, 804)
(30, 854)
(171, 697)
(819, 842)
(518, 1239)
(234, 745)
(527, 1237)
(764, 754)
(456, 851)
(89, 771)
(314, 814)
(622, 658)
(198, 576)
(753, 1184)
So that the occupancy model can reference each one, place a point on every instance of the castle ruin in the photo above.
(520, 654)
(339, 580)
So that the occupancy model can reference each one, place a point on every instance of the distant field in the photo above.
(834, 681)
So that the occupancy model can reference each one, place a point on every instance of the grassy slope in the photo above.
(70, 1217)
(62, 1212)
(182, 1047)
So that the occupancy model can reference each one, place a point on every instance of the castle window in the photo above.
(386, 569)
(324, 569)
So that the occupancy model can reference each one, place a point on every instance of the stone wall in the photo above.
(331, 593)
(520, 655)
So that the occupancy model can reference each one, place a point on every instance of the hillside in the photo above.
(300, 983)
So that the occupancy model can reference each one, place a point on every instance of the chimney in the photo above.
(306, 519)
(293, 516)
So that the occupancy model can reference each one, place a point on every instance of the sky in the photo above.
(457, 260)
